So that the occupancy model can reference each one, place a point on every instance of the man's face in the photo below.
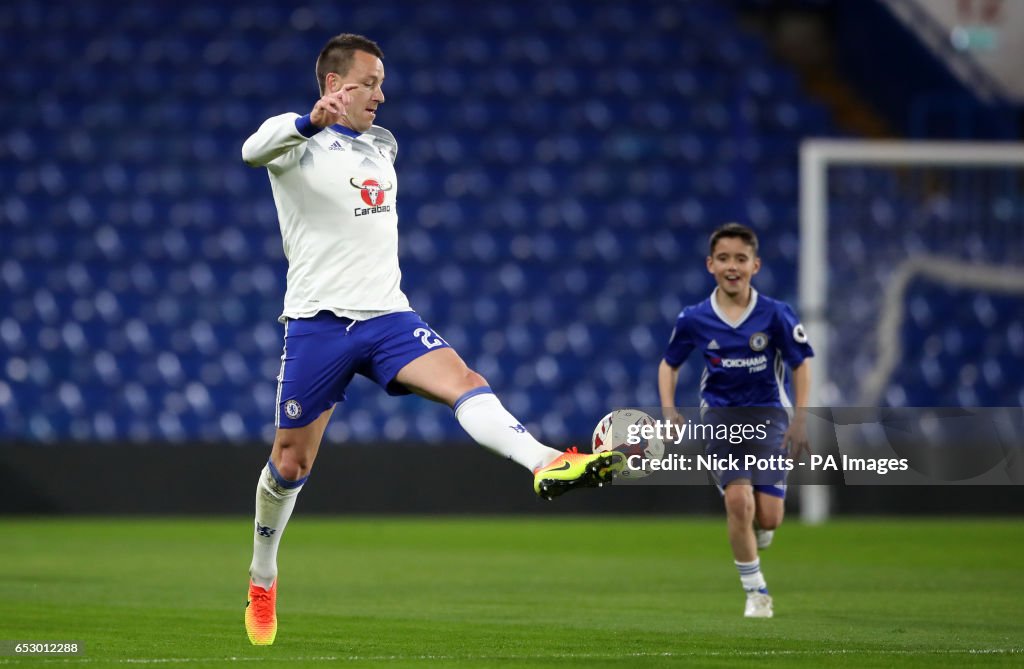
(367, 72)
(733, 263)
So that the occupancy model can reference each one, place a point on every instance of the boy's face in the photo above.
(733, 263)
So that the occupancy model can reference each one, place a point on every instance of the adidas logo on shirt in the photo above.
(336, 146)
(713, 346)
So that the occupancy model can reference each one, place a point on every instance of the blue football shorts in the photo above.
(323, 353)
(767, 474)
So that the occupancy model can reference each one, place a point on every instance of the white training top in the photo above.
(335, 191)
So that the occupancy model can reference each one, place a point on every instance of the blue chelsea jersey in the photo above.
(744, 361)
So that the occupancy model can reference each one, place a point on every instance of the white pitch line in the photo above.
(549, 656)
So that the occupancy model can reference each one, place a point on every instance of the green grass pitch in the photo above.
(503, 592)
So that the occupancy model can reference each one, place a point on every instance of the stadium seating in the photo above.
(560, 169)
(959, 346)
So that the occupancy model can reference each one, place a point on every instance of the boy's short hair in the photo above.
(736, 230)
(337, 55)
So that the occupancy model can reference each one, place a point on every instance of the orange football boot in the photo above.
(261, 614)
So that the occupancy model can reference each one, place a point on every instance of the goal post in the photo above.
(962, 180)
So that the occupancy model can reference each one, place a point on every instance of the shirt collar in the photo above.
(348, 132)
(743, 317)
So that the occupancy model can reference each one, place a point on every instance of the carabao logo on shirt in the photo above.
(373, 193)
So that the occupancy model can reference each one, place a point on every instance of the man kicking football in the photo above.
(334, 183)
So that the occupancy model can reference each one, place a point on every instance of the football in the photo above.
(611, 435)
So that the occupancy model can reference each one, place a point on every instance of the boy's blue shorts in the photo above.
(770, 479)
(323, 353)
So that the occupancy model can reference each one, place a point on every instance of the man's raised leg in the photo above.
(443, 376)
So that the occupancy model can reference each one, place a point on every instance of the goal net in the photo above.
(912, 275)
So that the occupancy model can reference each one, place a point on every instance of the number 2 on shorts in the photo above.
(430, 339)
